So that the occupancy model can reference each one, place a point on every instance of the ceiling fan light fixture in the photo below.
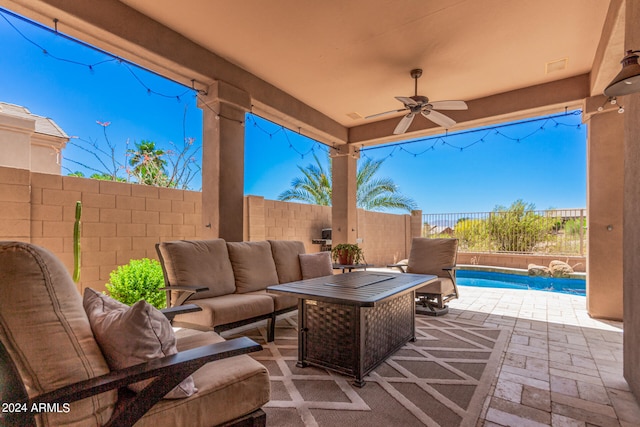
(628, 79)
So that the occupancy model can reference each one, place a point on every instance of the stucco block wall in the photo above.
(385, 238)
(15, 215)
(120, 221)
(522, 261)
(272, 219)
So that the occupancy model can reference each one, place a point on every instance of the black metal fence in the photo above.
(553, 231)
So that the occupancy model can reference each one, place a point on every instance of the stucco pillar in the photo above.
(631, 239)
(605, 180)
(344, 215)
(224, 108)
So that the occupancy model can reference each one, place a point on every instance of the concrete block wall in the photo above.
(522, 261)
(120, 221)
(272, 219)
(15, 199)
(385, 238)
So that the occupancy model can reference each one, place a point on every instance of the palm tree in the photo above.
(376, 194)
(148, 164)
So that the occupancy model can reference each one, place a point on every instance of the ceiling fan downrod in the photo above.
(415, 74)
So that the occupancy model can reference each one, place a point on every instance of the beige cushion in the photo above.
(227, 389)
(226, 309)
(316, 265)
(198, 263)
(429, 256)
(442, 286)
(132, 335)
(47, 334)
(285, 255)
(280, 302)
(253, 265)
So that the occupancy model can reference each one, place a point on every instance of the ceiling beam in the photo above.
(547, 98)
(606, 63)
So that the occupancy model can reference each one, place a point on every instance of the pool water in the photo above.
(491, 279)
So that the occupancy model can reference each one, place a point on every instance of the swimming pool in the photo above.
(493, 279)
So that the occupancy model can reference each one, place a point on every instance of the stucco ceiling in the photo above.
(344, 57)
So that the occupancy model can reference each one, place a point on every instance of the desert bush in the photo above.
(518, 228)
(472, 234)
(138, 280)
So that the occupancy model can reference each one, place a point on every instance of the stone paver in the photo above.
(560, 366)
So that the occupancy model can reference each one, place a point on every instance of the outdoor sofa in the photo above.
(228, 280)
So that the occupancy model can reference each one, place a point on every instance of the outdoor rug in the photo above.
(442, 379)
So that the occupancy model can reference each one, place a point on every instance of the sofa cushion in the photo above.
(253, 265)
(429, 256)
(280, 301)
(316, 265)
(227, 389)
(198, 263)
(442, 286)
(226, 309)
(47, 334)
(132, 335)
(285, 255)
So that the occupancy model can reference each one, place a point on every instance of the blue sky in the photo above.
(546, 167)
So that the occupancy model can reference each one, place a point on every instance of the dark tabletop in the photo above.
(361, 287)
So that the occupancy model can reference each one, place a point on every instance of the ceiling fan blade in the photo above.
(449, 105)
(386, 112)
(438, 118)
(406, 100)
(404, 124)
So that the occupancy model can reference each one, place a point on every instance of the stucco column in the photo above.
(631, 239)
(605, 180)
(224, 108)
(344, 215)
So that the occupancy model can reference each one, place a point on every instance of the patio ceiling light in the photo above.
(628, 79)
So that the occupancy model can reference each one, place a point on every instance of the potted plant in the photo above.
(347, 254)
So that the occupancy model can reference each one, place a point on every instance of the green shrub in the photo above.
(140, 279)
(573, 226)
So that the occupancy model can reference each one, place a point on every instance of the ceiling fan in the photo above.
(420, 104)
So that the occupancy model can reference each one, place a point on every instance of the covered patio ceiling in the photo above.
(321, 67)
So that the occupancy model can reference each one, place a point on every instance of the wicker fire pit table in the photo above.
(352, 322)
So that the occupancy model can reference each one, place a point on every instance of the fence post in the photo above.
(581, 232)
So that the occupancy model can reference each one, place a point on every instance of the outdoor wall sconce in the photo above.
(628, 79)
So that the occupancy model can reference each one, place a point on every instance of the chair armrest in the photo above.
(172, 312)
(168, 371)
(187, 292)
(400, 266)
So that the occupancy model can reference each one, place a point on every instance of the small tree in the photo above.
(518, 228)
(145, 163)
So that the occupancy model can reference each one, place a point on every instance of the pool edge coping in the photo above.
(517, 271)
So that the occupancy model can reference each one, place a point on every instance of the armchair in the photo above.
(437, 257)
(52, 371)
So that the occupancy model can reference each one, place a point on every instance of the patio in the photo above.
(559, 367)
(548, 374)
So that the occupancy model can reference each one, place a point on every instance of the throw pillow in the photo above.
(131, 335)
(315, 265)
